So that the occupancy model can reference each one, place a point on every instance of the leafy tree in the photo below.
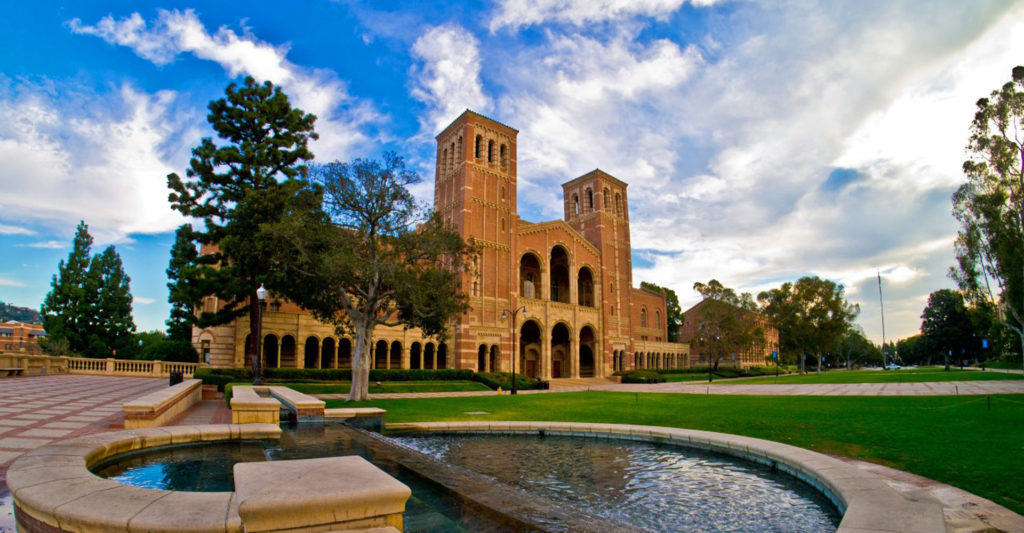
(855, 348)
(990, 206)
(910, 351)
(729, 323)
(112, 324)
(66, 308)
(238, 188)
(185, 290)
(374, 258)
(811, 316)
(673, 312)
(948, 326)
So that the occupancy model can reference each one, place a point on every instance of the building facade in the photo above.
(20, 337)
(757, 354)
(558, 293)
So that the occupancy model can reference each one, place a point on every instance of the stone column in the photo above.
(300, 353)
(574, 358)
(545, 356)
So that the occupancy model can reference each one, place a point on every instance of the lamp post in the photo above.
(515, 355)
(257, 360)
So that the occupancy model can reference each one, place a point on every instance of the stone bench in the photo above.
(12, 371)
(160, 407)
(54, 491)
(369, 418)
(248, 407)
(304, 407)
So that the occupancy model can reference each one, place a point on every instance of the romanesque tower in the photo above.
(596, 207)
(475, 190)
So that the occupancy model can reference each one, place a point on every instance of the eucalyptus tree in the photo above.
(990, 206)
(811, 316)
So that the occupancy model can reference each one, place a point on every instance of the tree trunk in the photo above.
(803, 364)
(361, 362)
(255, 347)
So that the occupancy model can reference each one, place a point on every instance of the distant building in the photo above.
(20, 336)
(758, 354)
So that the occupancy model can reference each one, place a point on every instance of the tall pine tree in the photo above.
(112, 309)
(238, 188)
(65, 310)
(185, 290)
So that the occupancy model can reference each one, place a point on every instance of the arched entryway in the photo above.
(529, 276)
(529, 348)
(481, 358)
(561, 365)
(415, 356)
(428, 356)
(588, 349)
(559, 271)
(442, 356)
(585, 287)
(344, 353)
(271, 357)
(327, 353)
(380, 354)
(287, 352)
(395, 360)
(311, 353)
(495, 358)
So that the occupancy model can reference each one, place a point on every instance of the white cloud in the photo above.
(340, 116)
(518, 13)
(447, 76)
(141, 300)
(7, 282)
(6, 229)
(49, 245)
(104, 161)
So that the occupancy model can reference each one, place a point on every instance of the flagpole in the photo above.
(881, 305)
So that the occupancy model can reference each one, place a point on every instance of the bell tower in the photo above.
(475, 191)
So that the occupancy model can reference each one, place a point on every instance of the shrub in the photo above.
(221, 376)
(504, 380)
(642, 376)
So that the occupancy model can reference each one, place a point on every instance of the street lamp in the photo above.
(515, 355)
(257, 360)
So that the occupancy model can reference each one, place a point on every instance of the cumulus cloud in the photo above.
(340, 116)
(48, 245)
(446, 76)
(519, 13)
(106, 162)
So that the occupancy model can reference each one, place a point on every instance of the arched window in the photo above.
(490, 151)
(643, 318)
(575, 205)
(657, 319)
(618, 204)
(478, 149)
(503, 156)
(590, 200)
(502, 192)
(444, 161)
(460, 154)
(503, 224)
(607, 198)
(451, 159)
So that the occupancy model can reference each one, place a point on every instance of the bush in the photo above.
(504, 380)
(169, 350)
(222, 376)
(642, 376)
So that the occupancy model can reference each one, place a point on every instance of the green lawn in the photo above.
(954, 439)
(903, 375)
(342, 387)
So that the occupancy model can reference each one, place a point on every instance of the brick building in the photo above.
(20, 336)
(582, 318)
(758, 354)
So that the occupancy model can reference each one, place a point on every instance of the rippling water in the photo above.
(656, 487)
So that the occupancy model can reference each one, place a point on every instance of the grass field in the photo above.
(903, 375)
(959, 440)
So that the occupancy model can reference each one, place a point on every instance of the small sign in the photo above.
(984, 343)
(775, 355)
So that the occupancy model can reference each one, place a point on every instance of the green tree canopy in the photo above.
(90, 303)
(854, 348)
(185, 286)
(373, 258)
(728, 321)
(990, 206)
(811, 316)
(673, 312)
(253, 179)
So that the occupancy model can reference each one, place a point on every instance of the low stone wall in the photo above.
(33, 365)
(867, 502)
(304, 407)
(160, 407)
(247, 407)
(54, 491)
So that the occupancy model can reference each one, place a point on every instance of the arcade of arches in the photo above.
(281, 352)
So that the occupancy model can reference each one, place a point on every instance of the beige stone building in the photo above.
(561, 290)
(20, 337)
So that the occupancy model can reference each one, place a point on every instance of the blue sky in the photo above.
(761, 141)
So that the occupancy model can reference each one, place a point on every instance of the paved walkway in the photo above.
(941, 388)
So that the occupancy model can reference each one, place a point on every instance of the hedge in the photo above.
(642, 376)
(222, 376)
(504, 380)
